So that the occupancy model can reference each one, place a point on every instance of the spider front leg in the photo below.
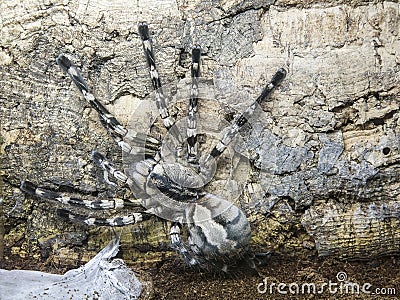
(243, 118)
(161, 101)
(191, 131)
(136, 176)
(113, 126)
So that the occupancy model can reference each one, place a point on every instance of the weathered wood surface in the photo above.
(325, 148)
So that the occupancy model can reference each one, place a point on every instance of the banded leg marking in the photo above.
(31, 189)
(168, 120)
(138, 173)
(132, 218)
(192, 142)
(155, 78)
(242, 119)
(137, 180)
(117, 131)
(108, 169)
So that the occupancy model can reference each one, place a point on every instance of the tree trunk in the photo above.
(317, 171)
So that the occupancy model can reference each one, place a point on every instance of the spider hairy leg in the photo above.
(31, 189)
(191, 131)
(242, 119)
(76, 77)
(161, 102)
(167, 119)
(116, 221)
(108, 168)
(113, 126)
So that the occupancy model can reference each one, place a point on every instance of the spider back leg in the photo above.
(97, 204)
(115, 221)
(178, 245)
(32, 189)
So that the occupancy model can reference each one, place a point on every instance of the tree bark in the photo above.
(317, 171)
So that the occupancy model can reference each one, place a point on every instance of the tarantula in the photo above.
(218, 231)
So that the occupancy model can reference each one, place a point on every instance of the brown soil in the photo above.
(171, 280)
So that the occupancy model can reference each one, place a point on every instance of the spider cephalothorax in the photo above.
(218, 231)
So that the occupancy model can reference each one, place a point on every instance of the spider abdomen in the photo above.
(218, 229)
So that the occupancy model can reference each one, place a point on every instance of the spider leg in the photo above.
(108, 169)
(31, 189)
(242, 119)
(113, 126)
(191, 130)
(161, 103)
(138, 173)
(179, 246)
(133, 218)
(116, 221)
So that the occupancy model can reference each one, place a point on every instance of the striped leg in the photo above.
(31, 189)
(112, 125)
(133, 218)
(178, 245)
(168, 120)
(116, 221)
(138, 174)
(192, 143)
(108, 169)
(242, 119)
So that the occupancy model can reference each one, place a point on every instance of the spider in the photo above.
(218, 231)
